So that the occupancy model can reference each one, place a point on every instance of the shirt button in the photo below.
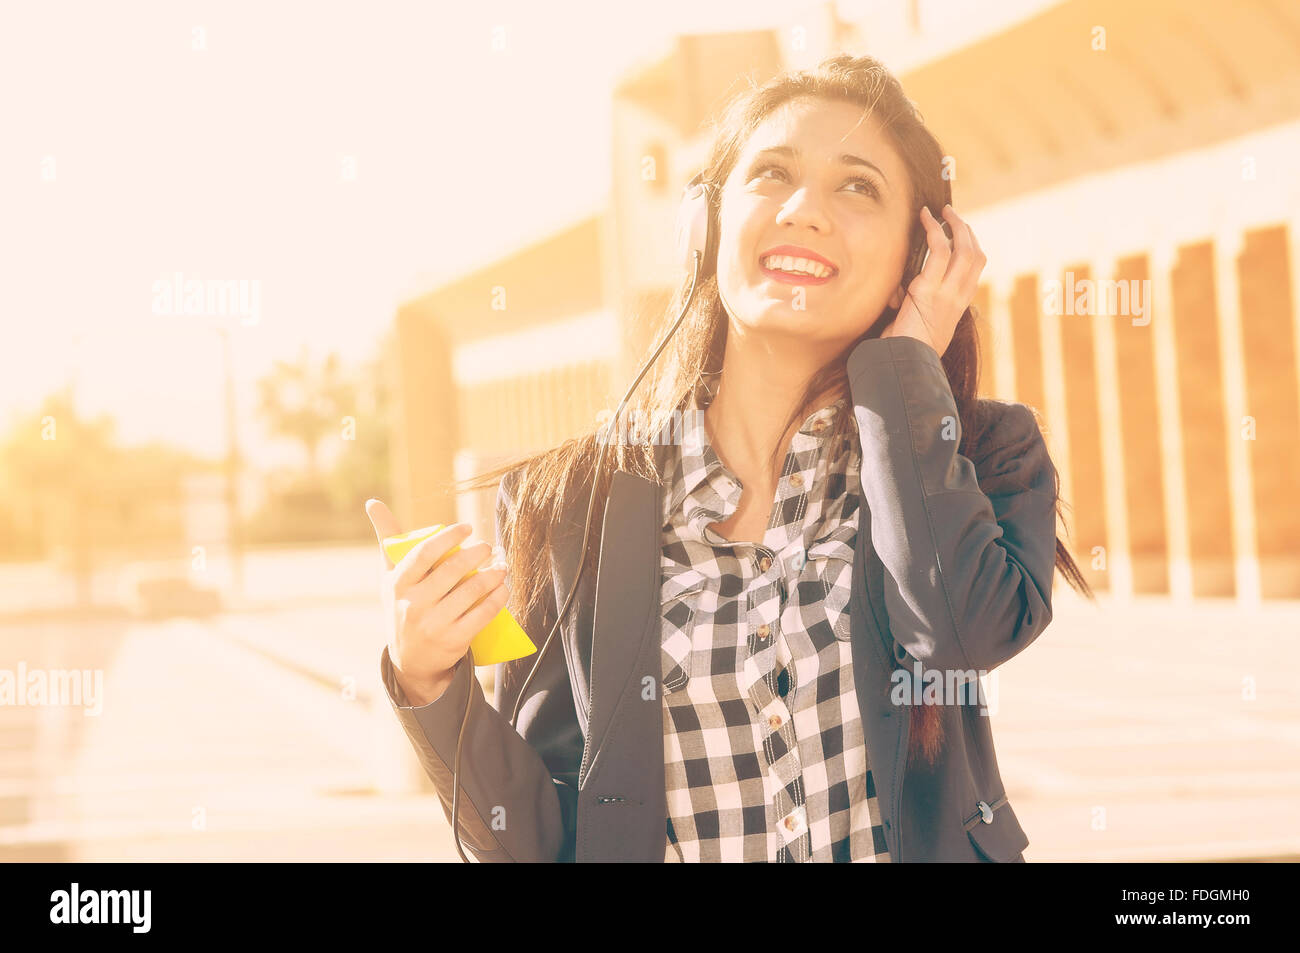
(764, 630)
(796, 481)
(774, 721)
(765, 563)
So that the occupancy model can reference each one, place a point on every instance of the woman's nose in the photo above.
(803, 208)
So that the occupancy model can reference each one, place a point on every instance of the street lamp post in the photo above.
(232, 468)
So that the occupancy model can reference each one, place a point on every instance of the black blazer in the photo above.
(954, 568)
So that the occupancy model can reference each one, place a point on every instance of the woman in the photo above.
(838, 521)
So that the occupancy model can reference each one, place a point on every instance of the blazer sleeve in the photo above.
(968, 570)
(518, 789)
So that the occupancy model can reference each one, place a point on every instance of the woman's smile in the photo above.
(793, 278)
(796, 265)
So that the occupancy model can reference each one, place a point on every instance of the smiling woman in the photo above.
(842, 506)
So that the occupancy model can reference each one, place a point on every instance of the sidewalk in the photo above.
(1148, 731)
(1155, 732)
(1122, 733)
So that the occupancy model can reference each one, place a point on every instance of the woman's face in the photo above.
(799, 182)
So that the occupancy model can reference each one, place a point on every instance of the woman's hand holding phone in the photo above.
(435, 603)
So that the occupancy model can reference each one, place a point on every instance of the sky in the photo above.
(337, 157)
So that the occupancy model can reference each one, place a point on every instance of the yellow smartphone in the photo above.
(502, 640)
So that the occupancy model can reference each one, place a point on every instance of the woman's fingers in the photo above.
(442, 582)
(968, 259)
(468, 593)
(432, 553)
(940, 251)
(476, 619)
(961, 240)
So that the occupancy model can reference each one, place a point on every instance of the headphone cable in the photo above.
(582, 561)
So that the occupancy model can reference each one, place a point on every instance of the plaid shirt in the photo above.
(763, 748)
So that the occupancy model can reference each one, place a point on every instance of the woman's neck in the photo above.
(759, 386)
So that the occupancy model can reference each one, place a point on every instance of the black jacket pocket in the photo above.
(995, 832)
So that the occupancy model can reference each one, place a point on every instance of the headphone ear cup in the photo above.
(919, 255)
(920, 252)
(693, 231)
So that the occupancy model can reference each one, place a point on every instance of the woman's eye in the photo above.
(871, 186)
(768, 167)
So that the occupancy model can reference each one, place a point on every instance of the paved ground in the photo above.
(204, 750)
(262, 734)
(1156, 732)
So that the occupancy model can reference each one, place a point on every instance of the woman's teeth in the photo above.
(796, 266)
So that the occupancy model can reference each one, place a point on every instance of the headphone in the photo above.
(697, 231)
(697, 251)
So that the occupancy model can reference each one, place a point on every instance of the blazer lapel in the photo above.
(626, 610)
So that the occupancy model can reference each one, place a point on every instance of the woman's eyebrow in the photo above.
(846, 158)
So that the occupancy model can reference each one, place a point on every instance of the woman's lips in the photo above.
(788, 279)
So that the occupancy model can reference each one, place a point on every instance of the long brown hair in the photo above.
(557, 480)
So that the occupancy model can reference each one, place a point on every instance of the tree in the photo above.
(310, 404)
(75, 493)
(304, 402)
(362, 470)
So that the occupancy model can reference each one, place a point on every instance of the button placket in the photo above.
(794, 824)
(755, 685)
(784, 768)
(760, 644)
(763, 605)
(776, 717)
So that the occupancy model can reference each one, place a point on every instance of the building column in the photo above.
(1293, 253)
(1055, 407)
(1118, 557)
(1227, 249)
(1004, 368)
(1163, 258)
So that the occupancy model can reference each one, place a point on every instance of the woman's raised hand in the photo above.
(434, 606)
(944, 287)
